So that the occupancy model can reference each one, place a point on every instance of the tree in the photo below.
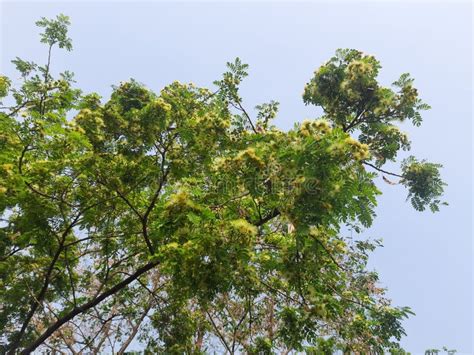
(177, 219)
(437, 351)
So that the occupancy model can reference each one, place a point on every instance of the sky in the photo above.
(427, 259)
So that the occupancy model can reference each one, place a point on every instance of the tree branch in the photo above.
(270, 216)
(92, 303)
(221, 337)
(241, 108)
(381, 170)
(47, 279)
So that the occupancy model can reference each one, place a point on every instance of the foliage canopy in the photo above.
(176, 219)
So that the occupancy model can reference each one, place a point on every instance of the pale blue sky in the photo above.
(427, 259)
